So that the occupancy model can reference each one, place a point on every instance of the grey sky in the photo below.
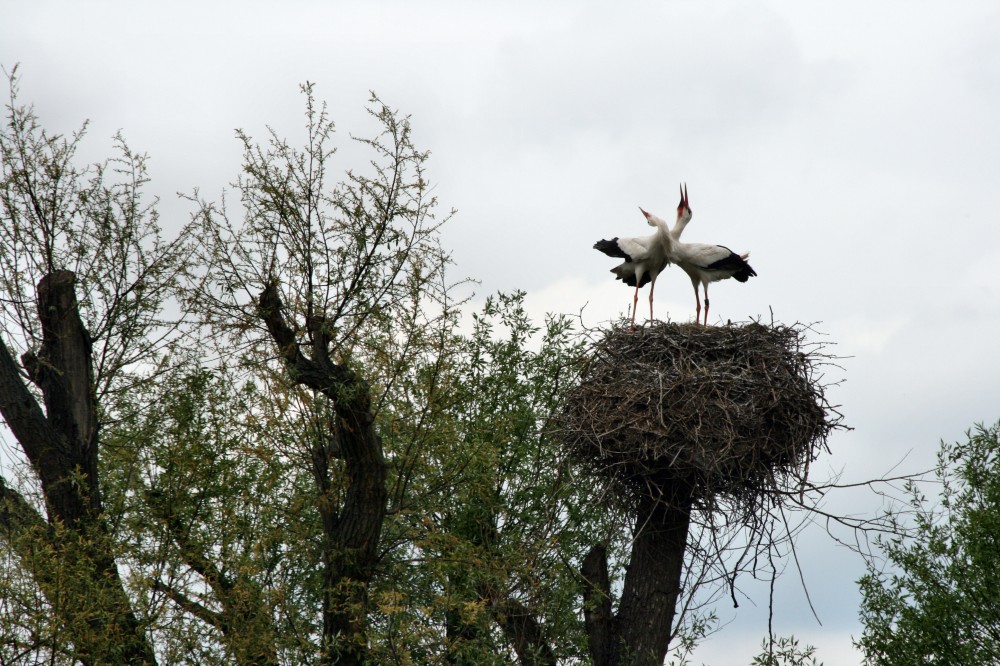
(853, 147)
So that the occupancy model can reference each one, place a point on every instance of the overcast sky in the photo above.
(853, 147)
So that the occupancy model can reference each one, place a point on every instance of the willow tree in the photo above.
(930, 596)
(340, 476)
(84, 274)
(492, 511)
(330, 292)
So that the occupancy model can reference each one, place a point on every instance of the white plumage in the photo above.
(645, 257)
(702, 262)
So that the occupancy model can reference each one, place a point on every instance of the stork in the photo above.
(683, 214)
(645, 257)
(702, 262)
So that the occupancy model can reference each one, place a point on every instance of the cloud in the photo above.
(864, 335)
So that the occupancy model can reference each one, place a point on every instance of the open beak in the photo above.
(684, 204)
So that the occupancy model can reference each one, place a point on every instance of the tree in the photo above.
(500, 542)
(317, 466)
(324, 471)
(84, 274)
(333, 292)
(934, 599)
(345, 287)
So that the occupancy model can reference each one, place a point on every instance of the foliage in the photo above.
(493, 514)
(201, 503)
(334, 297)
(934, 600)
(94, 221)
(785, 652)
(359, 260)
(84, 275)
(696, 627)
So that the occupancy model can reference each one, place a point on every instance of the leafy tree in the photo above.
(499, 546)
(332, 294)
(442, 502)
(934, 601)
(350, 480)
(84, 274)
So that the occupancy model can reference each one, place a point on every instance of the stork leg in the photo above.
(706, 303)
(697, 301)
(651, 285)
(635, 303)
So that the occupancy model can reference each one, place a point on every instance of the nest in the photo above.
(730, 410)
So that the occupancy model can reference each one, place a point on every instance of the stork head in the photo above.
(654, 221)
(650, 218)
(684, 207)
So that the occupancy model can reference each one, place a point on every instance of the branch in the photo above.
(45, 447)
(207, 615)
(194, 555)
(281, 333)
(597, 616)
(317, 373)
(17, 516)
(525, 634)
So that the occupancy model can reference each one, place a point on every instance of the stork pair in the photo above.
(646, 257)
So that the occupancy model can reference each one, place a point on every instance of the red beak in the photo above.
(644, 212)
(684, 197)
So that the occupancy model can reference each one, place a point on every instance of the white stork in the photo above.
(683, 214)
(702, 262)
(644, 257)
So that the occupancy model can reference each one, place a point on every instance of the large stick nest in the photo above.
(733, 410)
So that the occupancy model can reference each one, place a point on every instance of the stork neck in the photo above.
(665, 235)
(680, 225)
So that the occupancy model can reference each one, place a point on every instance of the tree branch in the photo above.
(597, 616)
(17, 516)
(524, 633)
(43, 444)
(351, 536)
(189, 605)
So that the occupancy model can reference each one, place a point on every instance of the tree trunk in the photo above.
(653, 578)
(81, 579)
(640, 633)
(600, 623)
(352, 531)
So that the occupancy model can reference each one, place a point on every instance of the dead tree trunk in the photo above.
(640, 632)
(351, 531)
(61, 444)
